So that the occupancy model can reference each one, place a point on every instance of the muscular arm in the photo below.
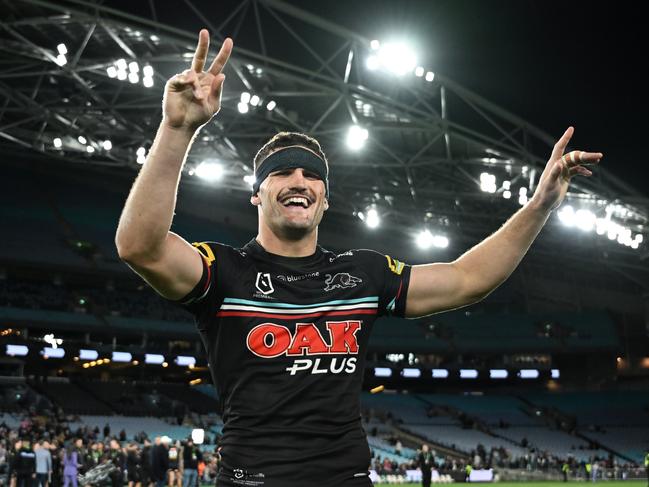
(143, 239)
(444, 286)
(470, 278)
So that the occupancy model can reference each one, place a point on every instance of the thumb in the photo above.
(556, 171)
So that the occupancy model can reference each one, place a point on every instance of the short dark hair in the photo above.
(287, 139)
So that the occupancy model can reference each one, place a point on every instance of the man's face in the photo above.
(291, 202)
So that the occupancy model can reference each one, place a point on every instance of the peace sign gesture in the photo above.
(554, 182)
(193, 97)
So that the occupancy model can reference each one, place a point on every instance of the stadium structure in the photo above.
(551, 369)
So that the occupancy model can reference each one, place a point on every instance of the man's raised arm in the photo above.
(143, 239)
(470, 278)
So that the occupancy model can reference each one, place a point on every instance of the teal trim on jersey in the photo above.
(265, 304)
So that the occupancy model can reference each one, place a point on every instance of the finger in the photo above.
(579, 170)
(222, 57)
(217, 83)
(561, 144)
(200, 56)
(556, 171)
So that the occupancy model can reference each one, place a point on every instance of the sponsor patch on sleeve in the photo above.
(394, 265)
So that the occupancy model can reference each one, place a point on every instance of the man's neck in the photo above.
(287, 248)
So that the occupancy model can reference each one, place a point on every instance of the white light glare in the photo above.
(57, 142)
(185, 361)
(53, 352)
(62, 49)
(107, 145)
(245, 97)
(61, 60)
(198, 436)
(153, 358)
(133, 67)
(209, 171)
(468, 373)
(439, 373)
(419, 71)
(372, 219)
(498, 374)
(148, 81)
(424, 239)
(373, 63)
(567, 216)
(271, 105)
(90, 149)
(82, 139)
(356, 137)
(121, 357)
(375, 45)
(585, 220)
(556, 373)
(121, 64)
(20, 350)
(398, 58)
(250, 179)
(382, 372)
(85, 354)
(242, 107)
(411, 373)
(141, 152)
(440, 241)
(488, 182)
(507, 194)
(122, 74)
(133, 77)
(147, 70)
(528, 374)
(254, 100)
(111, 71)
(430, 76)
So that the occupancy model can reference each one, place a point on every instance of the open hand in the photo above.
(193, 97)
(554, 182)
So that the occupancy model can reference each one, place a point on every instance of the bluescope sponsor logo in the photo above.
(330, 351)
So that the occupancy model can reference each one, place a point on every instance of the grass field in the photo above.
(601, 483)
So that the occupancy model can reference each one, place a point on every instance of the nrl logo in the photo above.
(341, 280)
(238, 473)
(263, 283)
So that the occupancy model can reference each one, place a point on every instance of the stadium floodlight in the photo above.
(245, 97)
(638, 238)
(185, 361)
(498, 374)
(122, 74)
(372, 219)
(147, 70)
(198, 436)
(121, 64)
(153, 358)
(424, 239)
(430, 76)
(555, 373)
(111, 71)
(601, 226)
(488, 182)
(440, 241)
(242, 107)
(57, 142)
(133, 77)
(147, 81)
(82, 139)
(528, 374)
(90, 149)
(133, 67)
(375, 44)
(507, 184)
(121, 357)
(271, 105)
(61, 60)
(585, 220)
(468, 374)
(356, 137)
(507, 194)
(419, 71)
(85, 354)
(254, 100)
(62, 49)
(439, 373)
(522, 196)
(373, 63)
(397, 57)
(411, 373)
(17, 350)
(382, 372)
(52, 352)
(249, 179)
(209, 171)
(107, 144)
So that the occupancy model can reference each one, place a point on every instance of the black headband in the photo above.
(290, 158)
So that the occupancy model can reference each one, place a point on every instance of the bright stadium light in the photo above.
(245, 97)
(121, 357)
(85, 354)
(242, 107)
(528, 374)
(52, 352)
(90, 149)
(121, 74)
(133, 67)
(82, 139)
(198, 436)
(373, 63)
(498, 374)
(556, 373)
(372, 219)
(121, 64)
(411, 373)
(61, 60)
(397, 57)
(488, 182)
(382, 372)
(133, 77)
(111, 71)
(249, 179)
(375, 45)
(440, 241)
(356, 137)
(147, 81)
(153, 358)
(419, 71)
(567, 216)
(147, 70)
(507, 194)
(209, 171)
(424, 239)
(439, 373)
(185, 361)
(585, 220)
(522, 196)
(254, 100)
(468, 374)
(57, 142)
(271, 105)
(107, 144)
(62, 49)
(430, 76)
(17, 350)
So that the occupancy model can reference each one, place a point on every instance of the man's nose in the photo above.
(297, 179)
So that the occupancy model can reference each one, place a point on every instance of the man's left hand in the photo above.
(554, 182)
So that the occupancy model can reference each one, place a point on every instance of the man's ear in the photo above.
(255, 200)
(326, 204)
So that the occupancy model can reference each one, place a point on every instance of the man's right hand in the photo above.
(193, 97)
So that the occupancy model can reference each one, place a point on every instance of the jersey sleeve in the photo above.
(391, 278)
(206, 294)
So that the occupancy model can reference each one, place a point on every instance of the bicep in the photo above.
(175, 272)
(436, 287)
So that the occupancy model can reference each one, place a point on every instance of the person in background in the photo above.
(146, 473)
(174, 479)
(191, 457)
(70, 466)
(159, 462)
(117, 456)
(43, 464)
(425, 462)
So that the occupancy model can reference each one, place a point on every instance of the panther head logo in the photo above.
(341, 280)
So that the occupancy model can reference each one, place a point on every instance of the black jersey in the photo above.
(286, 340)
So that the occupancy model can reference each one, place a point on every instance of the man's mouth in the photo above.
(296, 201)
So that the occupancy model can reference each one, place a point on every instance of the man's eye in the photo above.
(311, 175)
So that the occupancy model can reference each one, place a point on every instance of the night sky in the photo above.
(553, 63)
